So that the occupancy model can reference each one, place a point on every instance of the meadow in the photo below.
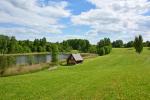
(123, 74)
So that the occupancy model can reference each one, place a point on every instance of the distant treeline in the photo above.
(120, 44)
(9, 45)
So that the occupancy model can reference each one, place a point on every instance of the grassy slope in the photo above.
(121, 75)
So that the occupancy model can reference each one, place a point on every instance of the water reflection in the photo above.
(36, 59)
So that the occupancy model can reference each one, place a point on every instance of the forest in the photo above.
(9, 45)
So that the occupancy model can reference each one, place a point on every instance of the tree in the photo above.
(43, 41)
(55, 53)
(104, 46)
(5, 62)
(149, 44)
(76, 44)
(117, 44)
(93, 49)
(4, 42)
(13, 45)
(146, 44)
(138, 44)
(129, 44)
(65, 46)
(48, 48)
(101, 51)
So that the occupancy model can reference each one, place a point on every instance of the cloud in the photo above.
(122, 17)
(34, 16)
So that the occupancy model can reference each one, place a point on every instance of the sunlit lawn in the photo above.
(121, 75)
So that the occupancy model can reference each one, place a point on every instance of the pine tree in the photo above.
(138, 44)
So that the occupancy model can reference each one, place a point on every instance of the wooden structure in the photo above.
(74, 59)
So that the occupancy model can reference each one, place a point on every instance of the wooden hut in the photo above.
(74, 59)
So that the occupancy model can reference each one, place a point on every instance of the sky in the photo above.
(59, 20)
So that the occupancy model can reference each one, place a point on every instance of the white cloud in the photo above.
(33, 16)
(116, 16)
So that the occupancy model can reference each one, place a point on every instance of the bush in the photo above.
(138, 44)
(101, 51)
(104, 47)
(92, 49)
(5, 62)
(107, 49)
(11, 61)
(55, 54)
(31, 60)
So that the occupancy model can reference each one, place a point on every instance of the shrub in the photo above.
(92, 49)
(11, 61)
(5, 62)
(104, 47)
(55, 54)
(138, 44)
(107, 49)
(30, 60)
(101, 51)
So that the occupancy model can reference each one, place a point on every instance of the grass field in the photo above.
(121, 75)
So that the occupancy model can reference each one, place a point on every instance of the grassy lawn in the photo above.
(121, 75)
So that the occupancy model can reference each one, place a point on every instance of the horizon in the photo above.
(75, 19)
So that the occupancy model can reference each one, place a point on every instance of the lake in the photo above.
(36, 58)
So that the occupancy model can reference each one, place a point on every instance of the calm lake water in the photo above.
(37, 58)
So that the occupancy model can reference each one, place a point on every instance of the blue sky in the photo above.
(59, 20)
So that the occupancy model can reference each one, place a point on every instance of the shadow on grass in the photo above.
(65, 64)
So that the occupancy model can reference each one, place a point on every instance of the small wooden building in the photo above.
(74, 59)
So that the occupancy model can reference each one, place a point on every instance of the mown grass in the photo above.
(121, 75)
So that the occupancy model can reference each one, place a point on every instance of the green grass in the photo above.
(121, 75)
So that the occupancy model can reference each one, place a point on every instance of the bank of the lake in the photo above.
(13, 64)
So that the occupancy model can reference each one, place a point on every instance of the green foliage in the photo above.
(31, 60)
(77, 44)
(66, 47)
(4, 41)
(92, 49)
(138, 44)
(149, 44)
(107, 49)
(117, 44)
(104, 47)
(146, 44)
(48, 48)
(11, 45)
(129, 44)
(5, 62)
(55, 53)
(101, 51)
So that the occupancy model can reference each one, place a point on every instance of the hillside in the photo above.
(121, 75)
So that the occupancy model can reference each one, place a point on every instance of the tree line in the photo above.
(120, 44)
(9, 45)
